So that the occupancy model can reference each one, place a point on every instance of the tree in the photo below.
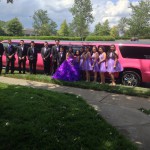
(14, 27)
(114, 31)
(2, 32)
(98, 29)
(64, 29)
(82, 16)
(105, 28)
(122, 25)
(43, 25)
(139, 23)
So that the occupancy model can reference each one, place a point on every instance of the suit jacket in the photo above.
(55, 52)
(32, 55)
(61, 58)
(46, 54)
(10, 51)
(1, 49)
(22, 53)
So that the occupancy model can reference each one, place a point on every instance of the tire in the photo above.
(131, 78)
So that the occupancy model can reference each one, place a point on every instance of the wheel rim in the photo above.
(130, 79)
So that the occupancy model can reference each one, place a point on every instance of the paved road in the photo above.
(119, 110)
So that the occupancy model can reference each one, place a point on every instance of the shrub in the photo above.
(100, 38)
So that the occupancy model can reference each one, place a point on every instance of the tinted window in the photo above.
(39, 46)
(135, 52)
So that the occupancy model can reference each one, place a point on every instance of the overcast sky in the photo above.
(112, 10)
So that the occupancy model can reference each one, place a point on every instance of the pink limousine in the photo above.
(134, 57)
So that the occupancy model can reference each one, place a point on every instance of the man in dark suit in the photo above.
(1, 54)
(61, 55)
(32, 57)
(22, 53)
(10, 57)
(55, 50)
(45, 53)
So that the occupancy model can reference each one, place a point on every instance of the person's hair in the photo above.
(32, 42)
(102, 47)
(9, 40)
(76, 52)
(57, 40)
(95, 47)
(62, 47)
(113, 46)
(113, 53)
(46, 42)
(21, 40)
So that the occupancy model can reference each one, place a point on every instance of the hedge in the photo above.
(41, 38)
(100, 38)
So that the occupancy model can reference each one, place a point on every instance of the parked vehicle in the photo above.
(134, 57)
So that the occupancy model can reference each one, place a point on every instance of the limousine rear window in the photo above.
(135, 52)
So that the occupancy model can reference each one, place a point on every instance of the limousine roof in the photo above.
(117, 42)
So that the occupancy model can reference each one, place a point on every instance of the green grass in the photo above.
(119, 89)
(41, 120)
(146, 111)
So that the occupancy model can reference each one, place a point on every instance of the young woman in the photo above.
(69, 70)
(112, 63)
(95, 66)
(87, 63)
(102, 64)
(82, 72)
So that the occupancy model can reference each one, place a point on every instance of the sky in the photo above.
(58, 10)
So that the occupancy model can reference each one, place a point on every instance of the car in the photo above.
(133, 56)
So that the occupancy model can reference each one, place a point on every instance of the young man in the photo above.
(22, 53)
(10, 57)
(1, 54)
(55, 51)
(32, 57)
(45, 53)
(61, 56)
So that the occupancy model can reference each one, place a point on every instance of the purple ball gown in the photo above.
(68, 71)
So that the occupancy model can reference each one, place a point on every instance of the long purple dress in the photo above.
(110, 64)
(96, 66)
(68, 71)
(102, 66)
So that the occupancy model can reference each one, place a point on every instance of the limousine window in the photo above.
(135, 52)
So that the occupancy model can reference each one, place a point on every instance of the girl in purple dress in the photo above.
(102, 64)
(69, 69)
(95, 66)
(87, 63)
(112, 63)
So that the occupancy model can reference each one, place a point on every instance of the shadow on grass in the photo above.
(41, 119)
(119, 89)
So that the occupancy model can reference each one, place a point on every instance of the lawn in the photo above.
(41, 120)
(146, 111)
(119, 89)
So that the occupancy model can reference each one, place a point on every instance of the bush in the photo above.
(100, 38)
(41, 38)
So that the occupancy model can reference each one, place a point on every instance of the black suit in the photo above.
(55, 50)
(1, 54)
(32, 56)
(61, 57)
(22, 53)
(10, 51)
(45, 53)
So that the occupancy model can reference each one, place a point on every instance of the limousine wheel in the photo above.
(131, 78)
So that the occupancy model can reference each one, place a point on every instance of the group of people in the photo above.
(65, 64)
(83, 62)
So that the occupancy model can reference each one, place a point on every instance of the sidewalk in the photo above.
(121, 111)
